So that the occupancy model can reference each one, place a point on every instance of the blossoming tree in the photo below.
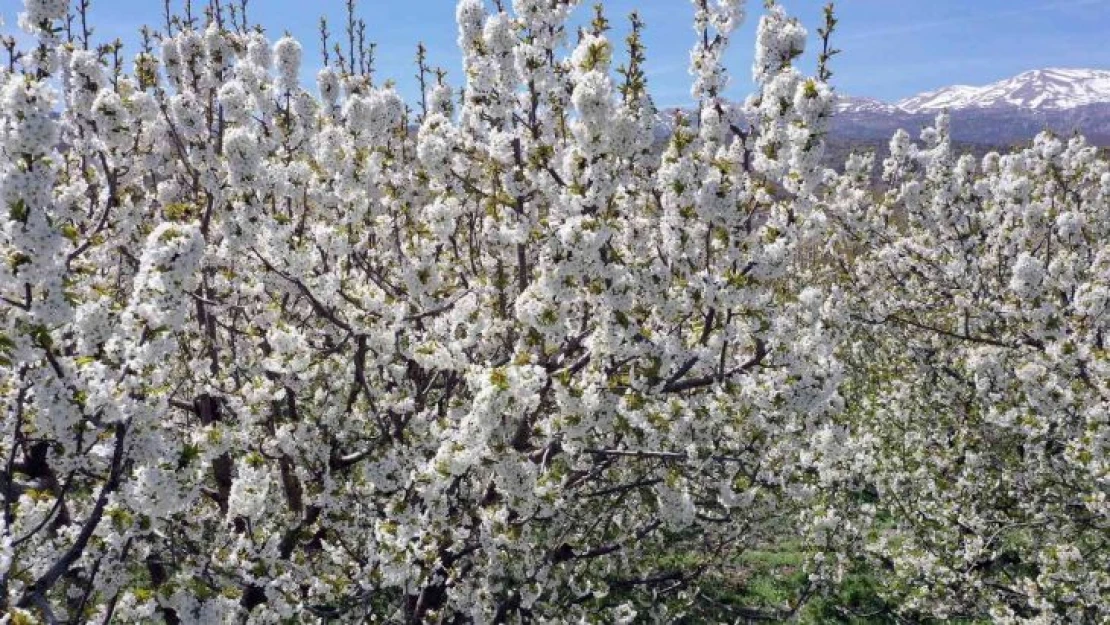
(272, 356)
(975, 453)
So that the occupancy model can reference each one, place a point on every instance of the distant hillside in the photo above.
(1010, 111)
(999, 115)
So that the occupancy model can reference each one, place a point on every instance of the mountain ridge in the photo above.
(998, 115)
(1063, 100)
(1051, 88)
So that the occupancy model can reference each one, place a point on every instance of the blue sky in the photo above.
(892, 48)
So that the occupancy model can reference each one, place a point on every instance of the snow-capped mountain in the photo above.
(1041, 90)
(996, 115)
(863, 105)
(1008, 111)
